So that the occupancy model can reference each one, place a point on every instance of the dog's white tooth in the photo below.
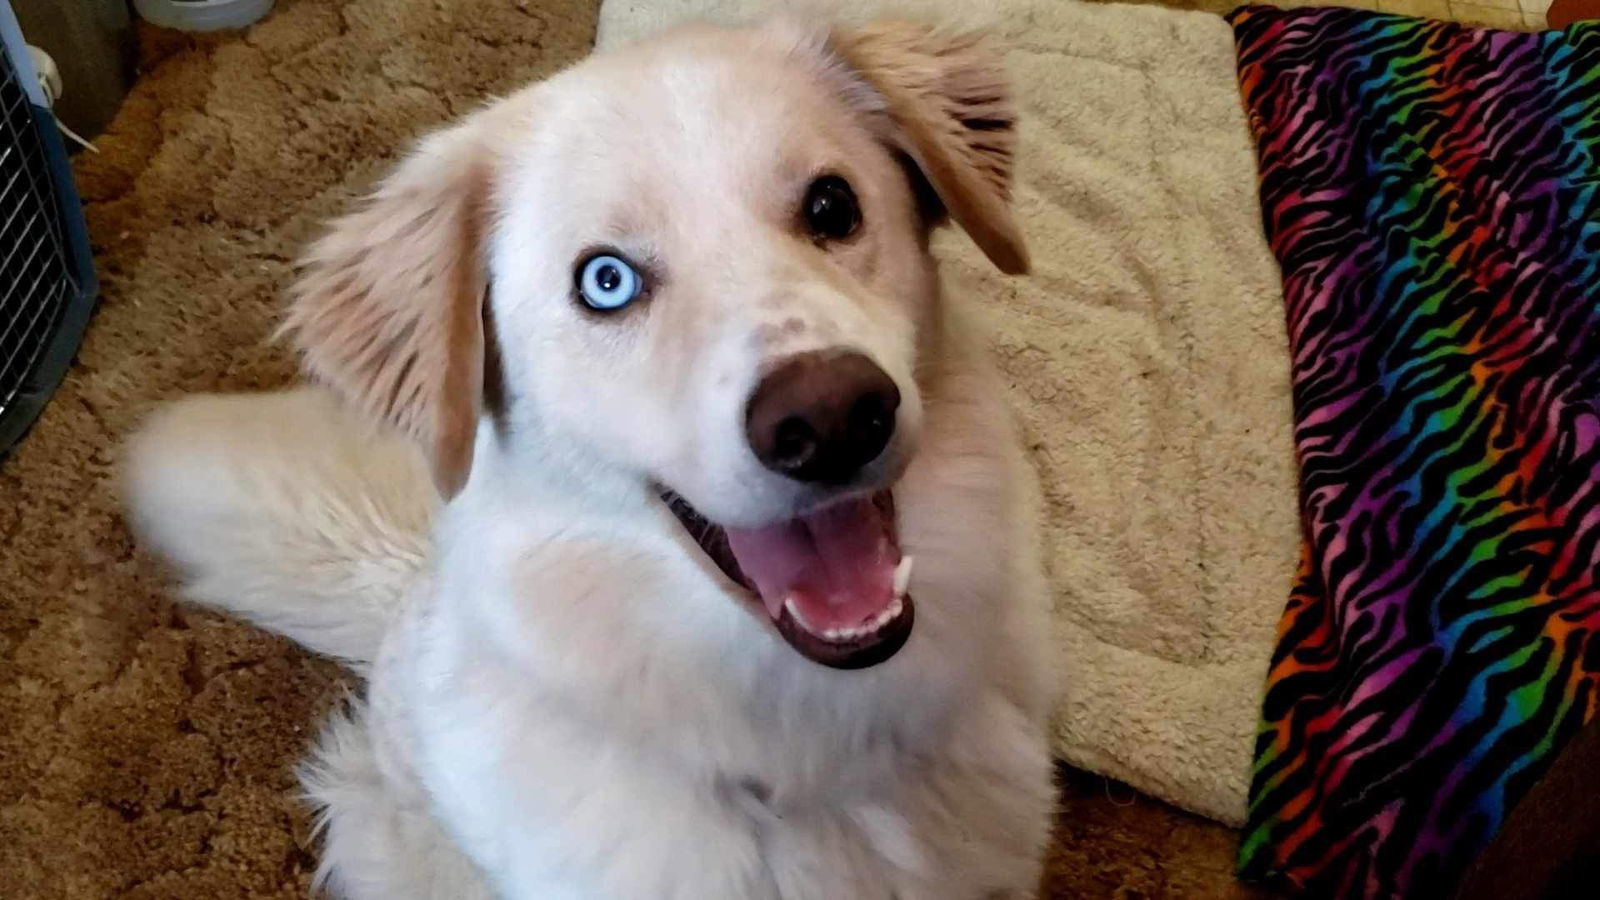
(902, 576)
(794, 613)
(890, 614)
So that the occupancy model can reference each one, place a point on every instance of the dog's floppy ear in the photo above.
(388, 310)
(951, 112)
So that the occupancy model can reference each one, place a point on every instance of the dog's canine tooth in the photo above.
(902, 576)
(794, 613)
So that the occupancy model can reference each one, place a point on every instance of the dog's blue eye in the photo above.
(608, 282)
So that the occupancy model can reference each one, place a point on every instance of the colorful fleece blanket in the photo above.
(1432, 194)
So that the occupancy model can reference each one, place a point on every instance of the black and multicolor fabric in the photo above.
(1432, 193)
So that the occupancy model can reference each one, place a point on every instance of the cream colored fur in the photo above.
(566, 699)
(1147, 364)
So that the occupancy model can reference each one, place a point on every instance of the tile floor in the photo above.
(1526, 15)
(1521, 14)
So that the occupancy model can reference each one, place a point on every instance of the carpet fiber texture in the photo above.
(146, 750)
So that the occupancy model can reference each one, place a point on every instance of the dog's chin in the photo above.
(831, 580)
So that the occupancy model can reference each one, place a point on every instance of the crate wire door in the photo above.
(46, 281)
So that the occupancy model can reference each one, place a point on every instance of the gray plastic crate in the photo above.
(47, 283)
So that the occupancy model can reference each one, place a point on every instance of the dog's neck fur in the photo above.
(525, 459)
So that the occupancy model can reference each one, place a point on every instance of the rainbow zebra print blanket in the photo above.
(1432, 194)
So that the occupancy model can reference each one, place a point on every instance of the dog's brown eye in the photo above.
(830, 209)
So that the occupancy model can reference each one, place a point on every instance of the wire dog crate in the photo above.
(47, 283)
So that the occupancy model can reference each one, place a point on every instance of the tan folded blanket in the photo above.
(1150, 372)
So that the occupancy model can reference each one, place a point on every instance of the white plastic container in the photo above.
(202, 15)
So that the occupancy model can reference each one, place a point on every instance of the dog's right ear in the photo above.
(388, 310)
(953, 115)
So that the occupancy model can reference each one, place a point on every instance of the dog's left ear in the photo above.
(388, 310)
(950, 111)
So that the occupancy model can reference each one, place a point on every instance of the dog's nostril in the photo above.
(794, 443)
(871, 423)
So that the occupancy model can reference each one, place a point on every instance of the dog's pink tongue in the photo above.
(837, 564)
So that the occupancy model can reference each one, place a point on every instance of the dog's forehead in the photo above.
(722, 106)
(710, 66)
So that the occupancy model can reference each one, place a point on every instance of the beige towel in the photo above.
(1150, 372)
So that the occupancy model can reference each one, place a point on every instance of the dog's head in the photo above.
(702, 260)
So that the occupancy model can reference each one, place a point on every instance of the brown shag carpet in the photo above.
(146, 750)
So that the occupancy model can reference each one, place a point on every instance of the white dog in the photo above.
(665, 333)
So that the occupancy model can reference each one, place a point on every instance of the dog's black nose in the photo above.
(822, 416)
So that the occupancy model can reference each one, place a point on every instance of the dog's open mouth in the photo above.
(833, 581)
